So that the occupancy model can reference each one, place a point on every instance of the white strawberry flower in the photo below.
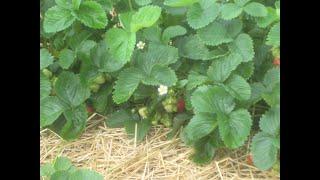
(140, 45)
(163, 90)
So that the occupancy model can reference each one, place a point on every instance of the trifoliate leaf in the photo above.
(92, 15)
(263, 22)
(238, 87)
(245, 69)
(47, 170)
(71, 90)
(235, 128)
(199, 126)
(57, 19)
(270, 121)
(120, 43)
(243, 45)
(62, 164)
(172, 31)
(273, 38)
(255, 9)
(202, 13)
(45, 86)
(143, 2)
(264, 151)
(212, 100)
(66, 58)
(128, 81)
(195, 79)
(50, 109)
(230, 11)
(179, 3)
(46, 58)
(204, 151)
(221, 69)
(145, 17)
(85, 174)
(214, 34)
(75, 122)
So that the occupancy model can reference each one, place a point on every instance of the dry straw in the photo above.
(111, 153)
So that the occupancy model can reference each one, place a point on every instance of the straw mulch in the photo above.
(111, 153)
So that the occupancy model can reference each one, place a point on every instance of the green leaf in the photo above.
(143, 127)
(102, 99)
(76, 4)
(66, 4)
(120, 43)
(243, 45)
(46, 58)
(125, 20)
(273, 38)
(212, 100)
(47, 170)
(221, 69)
(241, 2)
(143, 2)
(66, 58)
(270, 121)
(92, 15)
(195, 79)
(255, 9)
(60, 175)
(272, 97)
(57, 19)
(45, 86)
(214, 34)
(235, 128)
(83, 51)
(264, 151)
(230, 11)
(238, 87)
(62, 164)
(85, 174)
(204, 151)
(245, 69)
(193, 48)
(271, 78)
(257, 89)
(69, 88)
(179, 3)
(75, 122)
(50, 109)
(152, 33)
(128, 81)
(200, 126)
(117, 119)
(163, 75)
(173, 31)
(233, 27)
(145, 17)
(263, 22)
(102, 58)
(201, 14)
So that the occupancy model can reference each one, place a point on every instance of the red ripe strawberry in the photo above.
(249, 160)
(276, 61)
(90, 109)
(180, 105)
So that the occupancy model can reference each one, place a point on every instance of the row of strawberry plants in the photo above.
(210, 68)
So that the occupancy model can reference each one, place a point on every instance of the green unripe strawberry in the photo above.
(143, 112)
(166, 120)
(170, 104)
(156, 118)
(94, 87)
(100, 79)
(54, 80)
(47, 73)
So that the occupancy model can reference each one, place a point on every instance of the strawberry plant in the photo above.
(209, 69)
(62, 168)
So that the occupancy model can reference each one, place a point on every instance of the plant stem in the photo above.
(130, 4)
